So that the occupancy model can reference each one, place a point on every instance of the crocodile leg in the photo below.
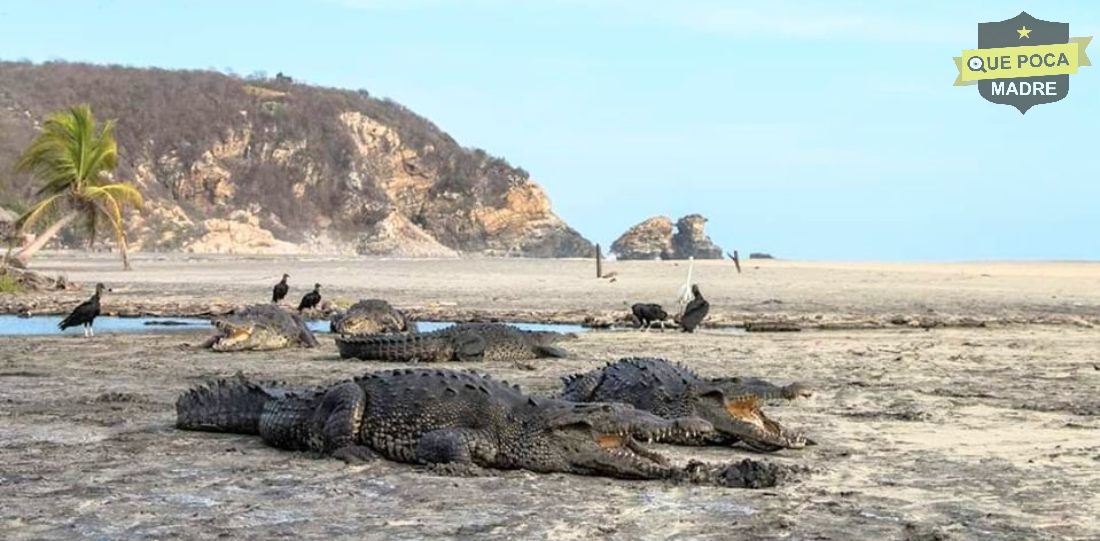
(468, 347)
(455, 451)
(338, 420)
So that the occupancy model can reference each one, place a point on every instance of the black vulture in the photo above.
(86, 313)
(280, 291)
(695, 311)
(646, 314)
(311, 299)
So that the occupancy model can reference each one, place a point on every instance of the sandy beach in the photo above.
(567, 290)
(983, 427)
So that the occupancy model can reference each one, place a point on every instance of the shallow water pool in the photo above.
(12, 325)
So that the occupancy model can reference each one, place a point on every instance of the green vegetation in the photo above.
(74, 162)
(8, 283)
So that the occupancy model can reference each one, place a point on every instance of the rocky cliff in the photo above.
(654, 239)
(267, 165)
(651, 239)
(691, 240)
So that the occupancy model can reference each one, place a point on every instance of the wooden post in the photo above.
(599, 262)
(736, 260)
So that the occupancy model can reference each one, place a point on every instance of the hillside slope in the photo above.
(270, 165)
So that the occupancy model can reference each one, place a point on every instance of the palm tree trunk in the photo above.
(122, 249)
(24, 255)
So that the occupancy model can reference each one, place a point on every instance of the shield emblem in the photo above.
(1023, 30)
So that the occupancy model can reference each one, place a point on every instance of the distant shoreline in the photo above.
(813, 295)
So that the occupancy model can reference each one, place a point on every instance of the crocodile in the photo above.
(259, 327)
(732, 405)
(371, 316)
(462, 342)
(458, 423)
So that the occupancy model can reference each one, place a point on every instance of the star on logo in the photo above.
(1024, 33)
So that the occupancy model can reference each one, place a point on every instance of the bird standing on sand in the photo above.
(311, 299)
(695, 311)
(85, 313)
(646, 314)
(280, 290)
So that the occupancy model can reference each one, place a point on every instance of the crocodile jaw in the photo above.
(247, 336)
(744, 420)
(604, 438)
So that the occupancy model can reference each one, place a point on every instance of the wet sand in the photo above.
(947, 433)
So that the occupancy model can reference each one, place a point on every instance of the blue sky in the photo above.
(811, 130)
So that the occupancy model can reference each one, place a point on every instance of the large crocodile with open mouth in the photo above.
(462, 342)
(672, 390)
(259, 327)
(457, 423)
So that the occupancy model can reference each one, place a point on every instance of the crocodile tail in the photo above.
(389, 347)
(305, 336)
(223, 406)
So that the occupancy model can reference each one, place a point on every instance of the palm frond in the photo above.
(108, 207)
(103, 155)
(73, 161)
(110, 199)
(68, 152)
(38, 211)
(124, 194)
(49, 159)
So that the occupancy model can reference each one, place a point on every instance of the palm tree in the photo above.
(74, 162)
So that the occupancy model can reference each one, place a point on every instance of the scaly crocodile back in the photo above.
(650, 384)
(404, 404)
(466, 341)
(507, 343)
(433, 346)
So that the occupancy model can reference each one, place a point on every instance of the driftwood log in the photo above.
(772, 326)
(736, 260)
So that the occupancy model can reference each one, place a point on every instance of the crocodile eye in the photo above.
(714, 394)
(575, 425)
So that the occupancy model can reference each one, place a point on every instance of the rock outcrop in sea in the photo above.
(654, 238)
